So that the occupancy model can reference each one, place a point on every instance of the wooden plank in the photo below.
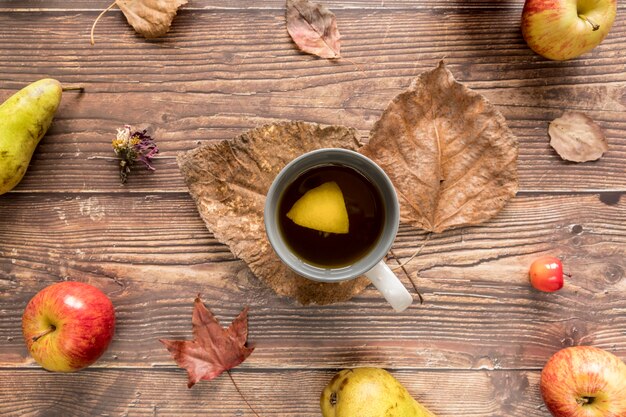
(246, 72)
(278, 5)
(64, 160)
(163, 392)
(251, 48)
(152, 255)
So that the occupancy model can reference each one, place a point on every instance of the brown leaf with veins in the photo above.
(448, 151)
(213, 349)
(150, 18)
(229, 180)
(313, 28)
(576, 137)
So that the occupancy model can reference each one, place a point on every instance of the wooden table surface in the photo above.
(474, 348)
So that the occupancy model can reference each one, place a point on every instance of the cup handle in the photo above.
(390, 286)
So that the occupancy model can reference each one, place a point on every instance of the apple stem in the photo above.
(594, 26)
(45, 332)
(585, 400)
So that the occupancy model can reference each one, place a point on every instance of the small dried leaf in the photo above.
(229, 181)
(448, 151)
(213, 349)
(575, 137)
(150, 18)
(313, 28)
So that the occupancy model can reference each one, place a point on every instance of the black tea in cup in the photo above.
(331, 240)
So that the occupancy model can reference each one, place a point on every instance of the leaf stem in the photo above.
(241, 394)
(401, 265)
(93, 27)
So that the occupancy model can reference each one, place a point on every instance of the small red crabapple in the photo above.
(546, 274)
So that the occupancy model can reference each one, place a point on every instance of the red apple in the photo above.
(584, 381)
(565, 29)
(68, 326)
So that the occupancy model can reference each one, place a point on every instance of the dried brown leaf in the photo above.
(150, 18)
(229, 180)
(575, 137)
(213, 349)
(448, 151)
(313, 28)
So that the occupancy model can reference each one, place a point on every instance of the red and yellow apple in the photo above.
(565, 29)
(68, 326)
(584, 381)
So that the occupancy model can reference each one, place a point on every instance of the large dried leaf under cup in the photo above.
(448, 152)
(229, 180)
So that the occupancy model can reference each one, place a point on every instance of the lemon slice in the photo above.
(322, 208)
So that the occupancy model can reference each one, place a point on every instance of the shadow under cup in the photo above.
(338, 157)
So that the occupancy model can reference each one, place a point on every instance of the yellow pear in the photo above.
(24, 119)
(369, 392)
(322, 208)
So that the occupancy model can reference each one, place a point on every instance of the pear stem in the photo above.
(594, 26)
(45, 332)
(93, 27)
(80, 88)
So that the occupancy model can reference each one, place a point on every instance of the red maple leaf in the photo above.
(213, 349)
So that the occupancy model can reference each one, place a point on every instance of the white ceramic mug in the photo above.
(371, 264)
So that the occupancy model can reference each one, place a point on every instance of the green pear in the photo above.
(24, 119)
(369, 392)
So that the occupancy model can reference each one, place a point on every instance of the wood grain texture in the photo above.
(221, 72)
(97, 5)
(152, 255)
(474, 349)
(163, 392)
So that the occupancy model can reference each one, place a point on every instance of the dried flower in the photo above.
(133, 146)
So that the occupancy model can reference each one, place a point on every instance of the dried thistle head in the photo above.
(132, 146)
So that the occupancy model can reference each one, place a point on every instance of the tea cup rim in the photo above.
(365, 166)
